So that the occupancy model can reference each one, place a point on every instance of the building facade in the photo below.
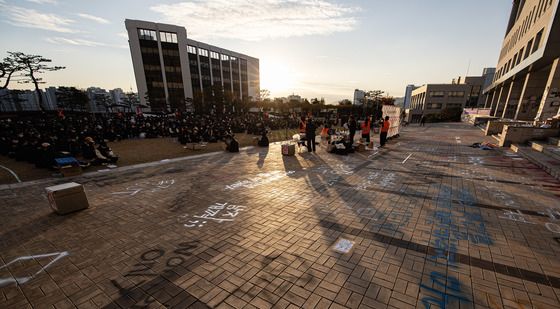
(460, 93)
(434, 98)
(408, 95)
(527, 80)
(359, 96)
(173, 71)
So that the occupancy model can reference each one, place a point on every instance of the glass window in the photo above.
(225, 57)
(203, 52)
(191, 49)
(437, 94)
(214, 55)
(456, 94)
(537, 41)
(168, 37)
(145, 34)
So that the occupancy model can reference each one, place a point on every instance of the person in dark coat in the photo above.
(352, 126)
(310, 134)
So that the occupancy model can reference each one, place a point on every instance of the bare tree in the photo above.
(32, 65)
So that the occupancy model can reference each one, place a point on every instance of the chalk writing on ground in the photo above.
(150, 186)
(451, 225)
(259, 180)
(147, 269)
(217, 212)
(21, 280)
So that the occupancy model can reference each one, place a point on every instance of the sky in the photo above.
(314, 48)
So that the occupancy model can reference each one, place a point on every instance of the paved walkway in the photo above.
(426, 220)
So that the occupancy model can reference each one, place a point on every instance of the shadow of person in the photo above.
(262, 156)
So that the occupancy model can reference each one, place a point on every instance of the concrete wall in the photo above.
(497, 126)
(515, 134)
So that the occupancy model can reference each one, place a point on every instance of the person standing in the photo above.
(352, 126)
(422, 120)
(384, 131)
(366, 126)
(310, 134)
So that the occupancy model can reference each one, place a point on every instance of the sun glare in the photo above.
(277, 77)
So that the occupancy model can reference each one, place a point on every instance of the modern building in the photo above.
(461, 92)
(527, 81)
(359, 96)
(173, 70)
(408, 95)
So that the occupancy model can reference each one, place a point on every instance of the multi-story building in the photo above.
(408, 95)
(527, 81)
(463, 91)
(359, 96)
(172, 70)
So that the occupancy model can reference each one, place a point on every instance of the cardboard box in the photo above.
(288, 149)
(360, 147)
(67, 198)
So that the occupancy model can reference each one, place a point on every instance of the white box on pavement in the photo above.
(67, 197)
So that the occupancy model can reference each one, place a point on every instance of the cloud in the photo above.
(96, 19)
(29, 18)
(123, 34)
(43, 1)
(76, 42)
(259, 19)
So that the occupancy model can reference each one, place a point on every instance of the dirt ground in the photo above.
(133, 151)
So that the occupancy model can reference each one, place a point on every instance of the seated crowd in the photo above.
(39, 140)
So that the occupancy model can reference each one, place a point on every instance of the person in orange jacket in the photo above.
(366, 126)
(384, 131)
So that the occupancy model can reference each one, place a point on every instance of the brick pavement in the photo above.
(426, 221)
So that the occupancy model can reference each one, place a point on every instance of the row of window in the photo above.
(168, 37)
(522, 54)
(530, 19)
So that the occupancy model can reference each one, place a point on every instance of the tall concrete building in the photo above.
(359, 96)
(173, 70)
(527, 81)
(408, 95)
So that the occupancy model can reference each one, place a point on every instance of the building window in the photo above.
(191, 49)
(168, 37)
(203, 52)
(225, 57)
(214, 55)
(456, 94)
(437, 94)
(537, 41)
(520, 54)
(434, 106)
(528, 49)
(145, 34)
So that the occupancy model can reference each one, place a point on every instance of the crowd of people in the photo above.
(41, 139)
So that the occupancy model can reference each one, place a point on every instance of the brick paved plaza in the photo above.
(427, 220)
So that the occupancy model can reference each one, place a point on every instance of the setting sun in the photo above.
(278, 78)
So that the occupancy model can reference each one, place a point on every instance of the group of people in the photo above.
(308, 127)
(42, 138)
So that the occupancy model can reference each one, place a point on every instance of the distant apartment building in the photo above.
(408, 95)
(173, 70)
(461, 92)
(359, 96)
(527, 81)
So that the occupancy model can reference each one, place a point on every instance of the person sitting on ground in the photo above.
(93, 154)
(263, 141)
(231, 144)
(107, 152)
